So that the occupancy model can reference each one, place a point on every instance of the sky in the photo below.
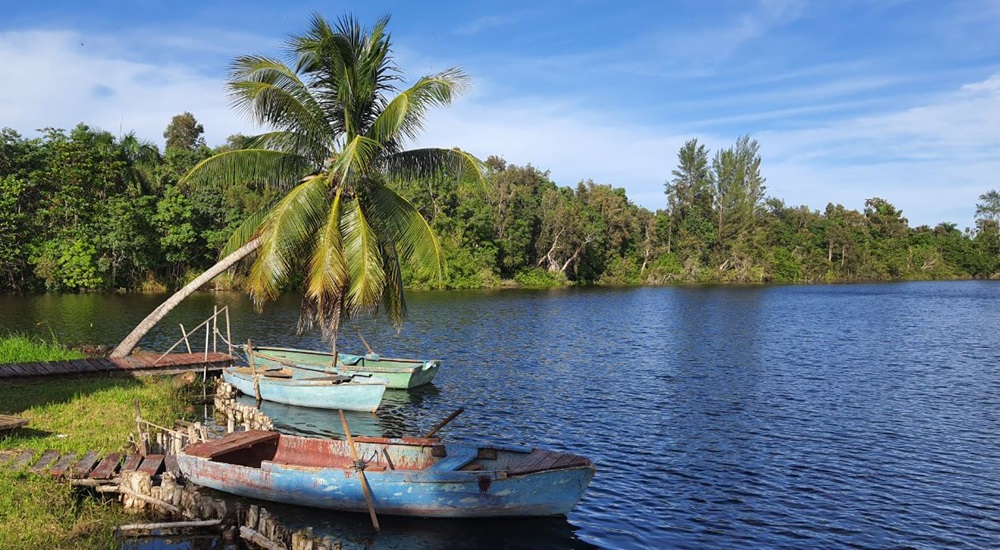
(849, 99)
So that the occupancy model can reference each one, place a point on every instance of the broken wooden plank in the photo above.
(23, 460)
(84, 465)
(131, 463)
(8, 456)
(107, 468)
(62, 465)
(151, 464)
(44, 461)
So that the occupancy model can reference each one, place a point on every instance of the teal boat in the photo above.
(308, 389)
(399, 373)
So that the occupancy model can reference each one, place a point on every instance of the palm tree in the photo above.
(336, 150)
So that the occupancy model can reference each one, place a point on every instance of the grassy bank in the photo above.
(72, 416)
(21, 348)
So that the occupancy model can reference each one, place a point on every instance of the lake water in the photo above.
(730, 417)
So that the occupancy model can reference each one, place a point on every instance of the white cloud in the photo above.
(57, 79)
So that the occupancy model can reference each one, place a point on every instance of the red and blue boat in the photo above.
(408, 476)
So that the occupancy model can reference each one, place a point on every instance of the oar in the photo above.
(253, 369)
(363, 341)
(361, 471)
(445, 421)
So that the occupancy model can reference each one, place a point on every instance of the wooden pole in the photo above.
(208, 327)
(186, 343)
(169, 525)
(363, 341)
(253, 369)
(215, 329)
(445, 421)
(229, 338)
(140, 442)
(361, 472)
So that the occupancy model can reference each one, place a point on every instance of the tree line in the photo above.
(86, 210)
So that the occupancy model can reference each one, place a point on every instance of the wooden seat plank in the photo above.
(231, 442)
(44, 461)
(107, 468)
(84, 465)
(151, 464)
(61, 465)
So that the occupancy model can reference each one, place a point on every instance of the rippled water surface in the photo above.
(781, 417)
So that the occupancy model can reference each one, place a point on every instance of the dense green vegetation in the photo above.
(84, 210)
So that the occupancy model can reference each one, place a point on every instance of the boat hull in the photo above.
(427, 492)
(359, 395)
(398, 373)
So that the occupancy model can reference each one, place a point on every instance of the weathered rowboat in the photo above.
(399, 373)
(309, 389)
(408, 476)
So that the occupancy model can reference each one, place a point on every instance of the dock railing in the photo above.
(212, 334)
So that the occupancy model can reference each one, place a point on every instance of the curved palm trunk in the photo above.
(130, 341)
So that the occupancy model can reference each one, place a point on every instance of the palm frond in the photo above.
(286, 231)
(328, 275)
(430, 163)
(272, 94)
(393, 299)
(246, 232)
(261, 167)
(364, 261)
(409, 232)
(404, 115)
(356, 158)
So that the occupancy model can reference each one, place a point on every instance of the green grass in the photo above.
(21, 348)
(73, 416)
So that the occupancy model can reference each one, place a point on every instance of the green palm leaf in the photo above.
(364, 261)
(403, 116)
(248, 166)
(285, 232)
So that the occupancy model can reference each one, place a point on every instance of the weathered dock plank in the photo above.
(62, 465)
(151, 464)
(44, 461)
(131, 463)
(144, 364)
(107, 467)
(23, 460)
(8, 423)
(84, 465)
(8, 456)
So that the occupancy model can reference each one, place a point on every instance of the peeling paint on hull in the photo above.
(423, 492)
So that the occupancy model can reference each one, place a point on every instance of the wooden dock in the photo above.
(9, 423)
(133, 364)
(90, 466)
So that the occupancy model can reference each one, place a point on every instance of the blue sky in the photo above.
(849, 99)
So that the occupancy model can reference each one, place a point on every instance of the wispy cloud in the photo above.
(97, 86)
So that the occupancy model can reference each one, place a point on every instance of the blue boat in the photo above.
(408, 476)
(309, 389)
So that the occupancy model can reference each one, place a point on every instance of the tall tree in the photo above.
(184, 132)
(739, 189)
(689, 191)
(336, 150)
(989, 208)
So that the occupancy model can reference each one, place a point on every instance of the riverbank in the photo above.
(77, 415)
